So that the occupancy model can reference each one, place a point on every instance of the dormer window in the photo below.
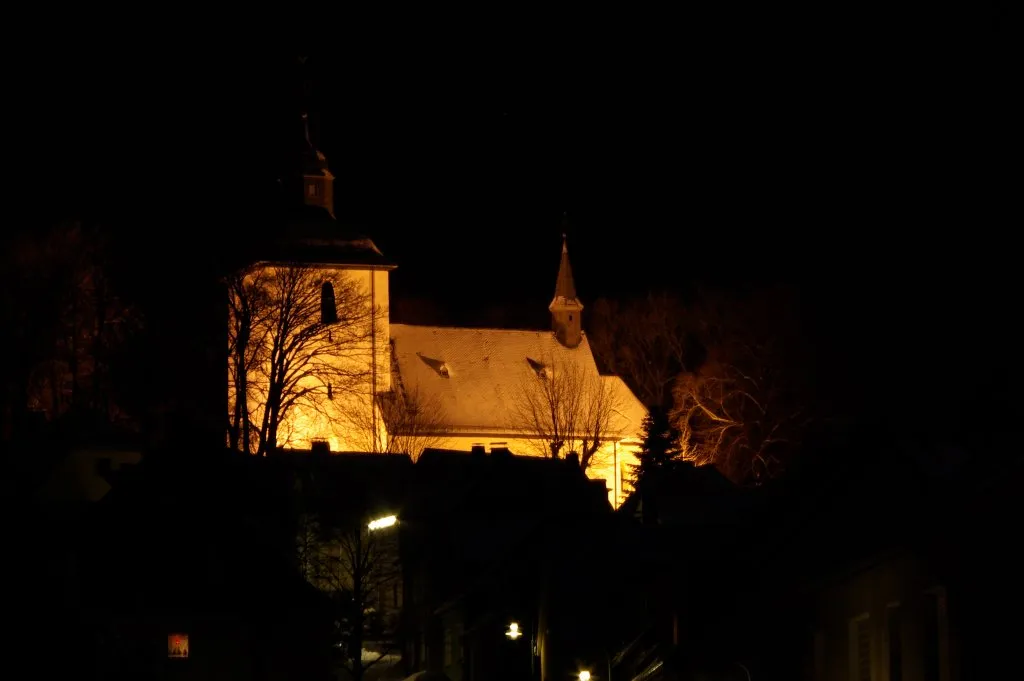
(538, 368)
(328, 307)
(438, 365)
(312, 190)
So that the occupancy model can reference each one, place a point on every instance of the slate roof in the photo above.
(476, 373)
(309, 235)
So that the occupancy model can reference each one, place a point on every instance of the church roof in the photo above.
(310, 235)
(476, 374)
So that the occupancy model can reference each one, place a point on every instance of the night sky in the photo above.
(858, 156)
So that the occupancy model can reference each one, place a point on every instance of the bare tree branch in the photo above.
(358, 570)
(643, 340)
(565, 409)
(66, 324)
(405, 421)
(287, 359)
(746, 407)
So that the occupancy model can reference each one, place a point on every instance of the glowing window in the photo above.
(177, 645)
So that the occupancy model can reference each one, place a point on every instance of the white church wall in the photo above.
(347, 420)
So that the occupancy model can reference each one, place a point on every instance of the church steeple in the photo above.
(317, 180)
(566, 309)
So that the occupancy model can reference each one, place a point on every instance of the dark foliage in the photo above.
(661, 451)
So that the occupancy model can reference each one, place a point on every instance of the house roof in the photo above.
(475, 374)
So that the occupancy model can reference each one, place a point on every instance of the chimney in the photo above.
(320, 447)
(478, 450)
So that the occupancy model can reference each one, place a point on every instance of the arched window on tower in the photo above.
(328, 308)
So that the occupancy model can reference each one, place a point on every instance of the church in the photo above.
(361, 383)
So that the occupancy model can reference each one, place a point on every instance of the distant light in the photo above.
(584, 676)
(177, 645)
(381, 523)
(513, 631)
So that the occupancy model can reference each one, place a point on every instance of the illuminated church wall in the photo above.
(344, 416)
(357, 373)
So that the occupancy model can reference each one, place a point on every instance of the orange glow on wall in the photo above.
(177, 645)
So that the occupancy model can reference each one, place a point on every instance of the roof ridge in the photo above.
(472, 328)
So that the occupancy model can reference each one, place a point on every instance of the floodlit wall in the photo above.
(334, 405)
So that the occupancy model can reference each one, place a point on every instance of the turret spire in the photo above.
(566, 309)
(565, 287)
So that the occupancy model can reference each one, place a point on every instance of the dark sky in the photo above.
(856, 151)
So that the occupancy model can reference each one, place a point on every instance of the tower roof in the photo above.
(565, 287)
(313, 160)
(312, 236)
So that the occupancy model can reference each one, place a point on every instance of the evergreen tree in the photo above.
(660, 450)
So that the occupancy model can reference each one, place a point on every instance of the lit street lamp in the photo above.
(584, 676)
(381, 523)
(513, 631)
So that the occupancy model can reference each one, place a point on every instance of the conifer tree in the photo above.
(661, 450)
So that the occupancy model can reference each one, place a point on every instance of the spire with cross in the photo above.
(566, 309)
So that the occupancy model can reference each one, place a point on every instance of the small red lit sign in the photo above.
(177, 645)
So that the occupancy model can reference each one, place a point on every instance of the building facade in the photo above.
(322, 366)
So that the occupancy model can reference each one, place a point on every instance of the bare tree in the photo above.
(307, 340)
(412, 422)
(746, 407)
(248, 305)
(565, 408)
(358, 569)
(643, 340)
(67, 322)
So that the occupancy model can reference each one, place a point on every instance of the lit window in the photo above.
(177, 645)
(312, 189)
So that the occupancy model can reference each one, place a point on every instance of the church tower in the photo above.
(566, 309)
(317, 180)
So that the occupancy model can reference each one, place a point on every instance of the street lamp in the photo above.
(513, 631)
(381, 523)
(584, 676)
